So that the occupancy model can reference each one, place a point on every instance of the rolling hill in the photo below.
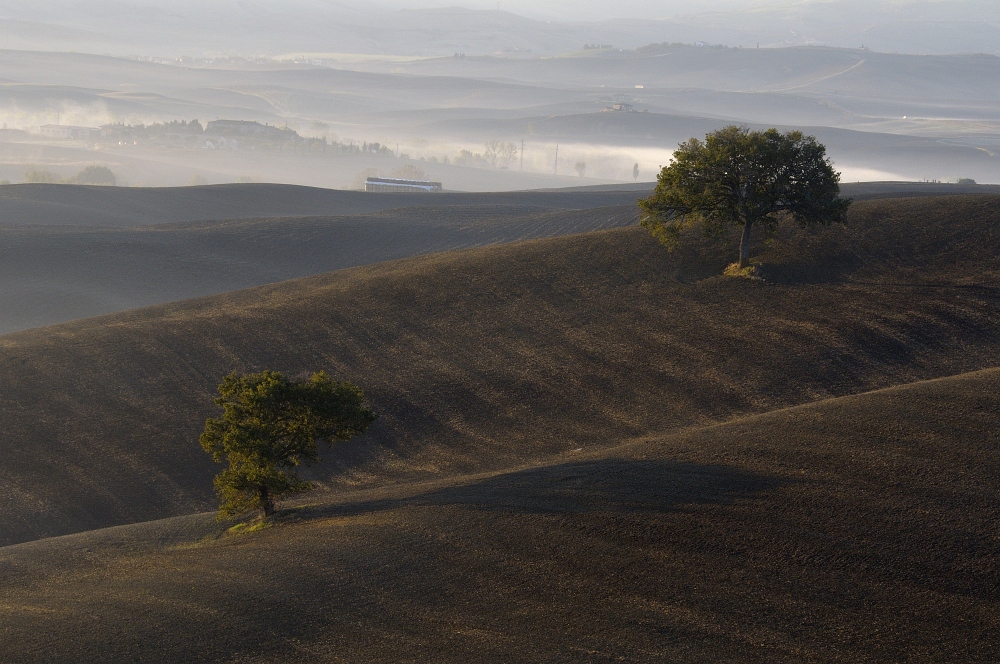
(126, 207)
(883, 115)
(118, 207)
(855, 529)
(498, 356)
(114, 249)
(54, 274)
(590, 450)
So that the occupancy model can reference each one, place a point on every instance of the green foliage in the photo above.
(966, 181)
(742, 177)
(270, 425)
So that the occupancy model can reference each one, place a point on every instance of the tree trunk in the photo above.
(266, 504)
(745, 245)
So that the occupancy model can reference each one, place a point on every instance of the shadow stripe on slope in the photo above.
(859, 528)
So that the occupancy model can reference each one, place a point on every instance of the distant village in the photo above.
(226, 135)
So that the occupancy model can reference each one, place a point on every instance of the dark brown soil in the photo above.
(591, 450)
(860, 529)
(494, 357)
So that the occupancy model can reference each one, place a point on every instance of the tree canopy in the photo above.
(745, 178)
(270, 425)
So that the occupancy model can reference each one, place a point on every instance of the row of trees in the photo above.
(496, 154)
(192, 135)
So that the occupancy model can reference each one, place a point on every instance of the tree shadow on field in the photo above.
(610, 485)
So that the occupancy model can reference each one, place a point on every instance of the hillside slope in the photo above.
(125, 207)
(54, 274)
(859, 529)
(107, 207)
(491, 357)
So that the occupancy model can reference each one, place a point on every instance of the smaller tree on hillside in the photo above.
(269, 426)
(744, 178)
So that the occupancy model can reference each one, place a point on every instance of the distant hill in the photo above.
(54, 274)
(883, 115)
(853, 529)
(81, 205)
(124, 207)
(186, 28)
(498, 356)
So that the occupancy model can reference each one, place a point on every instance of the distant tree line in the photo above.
(97, 175)
(192, 135)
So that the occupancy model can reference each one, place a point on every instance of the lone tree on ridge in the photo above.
(744, 178)
(270, 425)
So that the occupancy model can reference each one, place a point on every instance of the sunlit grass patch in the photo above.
(748, 272)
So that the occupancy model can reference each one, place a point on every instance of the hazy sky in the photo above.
(65, 11)
(273, 27)
(587, 9)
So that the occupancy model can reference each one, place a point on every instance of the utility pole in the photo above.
(522, 154)
(557, 159)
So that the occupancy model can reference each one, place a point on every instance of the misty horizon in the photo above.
(581, 93)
